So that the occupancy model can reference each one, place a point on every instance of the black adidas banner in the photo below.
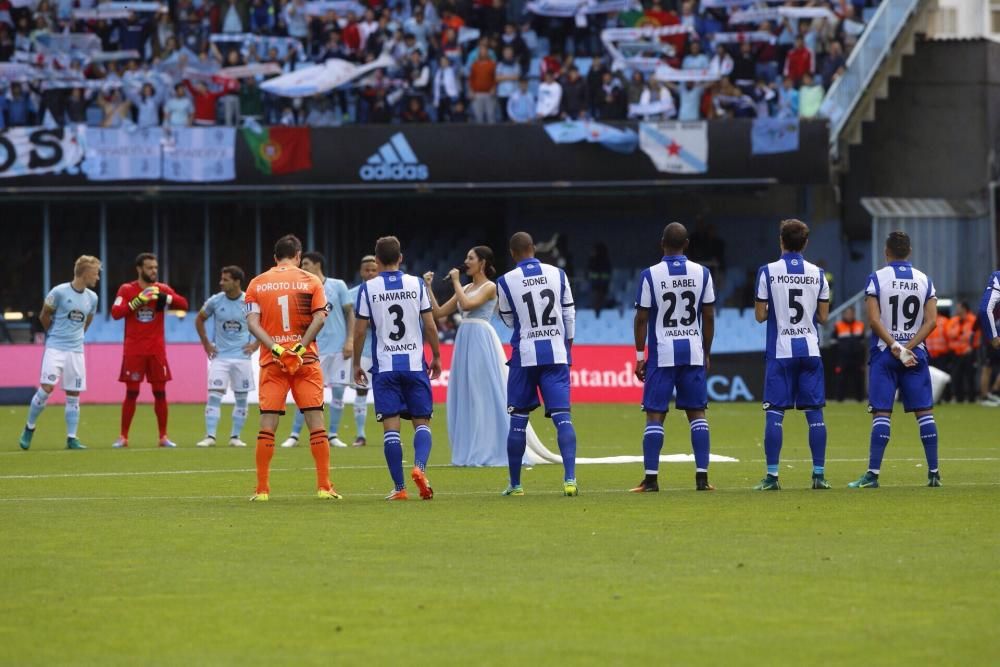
(448, 157)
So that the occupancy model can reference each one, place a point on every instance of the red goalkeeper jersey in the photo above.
(144, 325)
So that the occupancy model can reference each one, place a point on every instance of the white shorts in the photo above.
(237, 372)
(336, 369)
(366, 363)
(70, 366)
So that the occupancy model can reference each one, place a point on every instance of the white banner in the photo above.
(568, 8)
(611, 37)
(200, 154)
(748, 36)
(676, 147)
(117, 154)
(757, 15)
(247, 71)
(319, 79)
(665, 72)
(38, 150)
(339, 7)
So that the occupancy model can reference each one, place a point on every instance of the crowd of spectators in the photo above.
(478, 61)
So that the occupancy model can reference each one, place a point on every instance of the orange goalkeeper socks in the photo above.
(320, 448)
(264, 454)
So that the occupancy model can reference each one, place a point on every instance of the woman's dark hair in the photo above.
(484, 253)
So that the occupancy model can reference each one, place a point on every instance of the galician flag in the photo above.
(676, 147)
(279, 150)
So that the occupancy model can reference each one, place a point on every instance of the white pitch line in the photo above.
(438, 495)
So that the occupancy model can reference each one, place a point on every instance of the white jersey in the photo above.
(674, 292)
(902, 292)
(792, 289)
(536, 301)
(394, 303)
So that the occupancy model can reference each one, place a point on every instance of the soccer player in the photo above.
(229, 352)
(793, 297)
(902, 310)
(286, 307)
(335, 347)
(367, 270)
(989, 320)
(536, 301)
(680, 342)
(143, 303)
(66, 314)
(400, 314)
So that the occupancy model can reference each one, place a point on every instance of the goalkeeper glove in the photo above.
(163, 300)
(277, 351)
(144, 297)
(299, 349)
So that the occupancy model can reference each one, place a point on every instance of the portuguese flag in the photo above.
(280, 150)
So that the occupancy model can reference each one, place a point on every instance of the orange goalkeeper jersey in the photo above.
(286, 297)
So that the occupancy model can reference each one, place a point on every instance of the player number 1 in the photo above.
(285, 320)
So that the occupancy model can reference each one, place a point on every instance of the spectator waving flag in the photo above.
(676, 147)
(774, 135)
(279, 150)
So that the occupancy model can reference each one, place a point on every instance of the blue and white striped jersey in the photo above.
(989, 308)
(535, 300)
(393, 302)
(230, 318)
(902, 292)
(674, 292)
(72, 309)
(792, 288)
(333, 335)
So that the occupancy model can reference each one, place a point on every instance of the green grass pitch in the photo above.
(149, 557)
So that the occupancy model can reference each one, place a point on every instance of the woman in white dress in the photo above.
(477, 384)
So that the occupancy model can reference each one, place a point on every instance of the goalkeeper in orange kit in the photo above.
(286, 307)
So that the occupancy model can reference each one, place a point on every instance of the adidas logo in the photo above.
(394, 161)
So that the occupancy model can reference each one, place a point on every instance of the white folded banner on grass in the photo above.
(319, 79)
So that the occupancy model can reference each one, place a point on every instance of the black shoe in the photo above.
(701, 482)
(646, 486)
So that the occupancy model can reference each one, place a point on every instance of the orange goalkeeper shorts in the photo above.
(306, 386)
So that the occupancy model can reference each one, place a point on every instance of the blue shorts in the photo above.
(692, 390)
(405, 394)
(886, 374)
(524, 383)
(794, 383)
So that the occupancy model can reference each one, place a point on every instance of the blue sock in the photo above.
(773, 434)
(360, 413)
(422, 446)
(652, 444)
(38, 402)
(239, 414)
(700, 444)
(929, 437)
(517, 442)
(879, 441)
(297, 423)
(213, 409)
(336, 407)
(566, 437)
(72, 411)
(817, 440)
(394, 458)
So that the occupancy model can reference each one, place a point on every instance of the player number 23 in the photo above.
(670, 304)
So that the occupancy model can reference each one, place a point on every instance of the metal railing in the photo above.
(869, 54)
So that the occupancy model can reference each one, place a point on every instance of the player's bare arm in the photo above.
(640, 326)
(45, 317)
(431, 338)
(929, 324)
(484, 294)
(822, 311)
(359, 333)
(88, 322)
(253, 324)
(199, 325)
(348, 326)
(707, 331)
(760, 311)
